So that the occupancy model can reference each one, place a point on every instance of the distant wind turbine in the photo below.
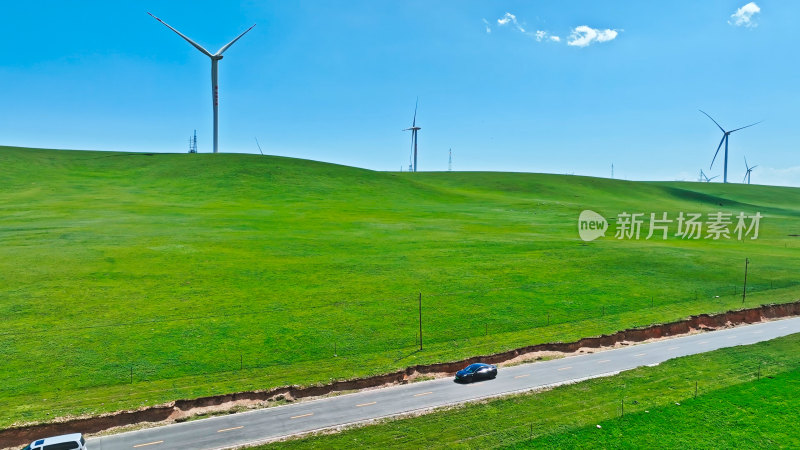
(725, 135)
(704, 177)
(414, 128)
(214, 61)
(749, 170)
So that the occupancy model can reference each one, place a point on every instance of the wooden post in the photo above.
(420, 320)
(744, 290)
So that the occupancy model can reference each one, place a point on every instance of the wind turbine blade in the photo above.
(222, 50)
(742, 128)
(751, 168)
(195, 44)
(712, 119)
(745, 163)
(718, 147)
(713, 178)
(414, 122)
(259, 147)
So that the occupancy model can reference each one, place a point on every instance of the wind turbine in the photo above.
(749, 169)
(214, 61)
(704, 177)
(725, 135)
(414, 128)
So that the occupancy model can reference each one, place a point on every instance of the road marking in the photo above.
(523, 376)
(302, 415)
(424, 393)
(640, 354)
(704, 342)
(365, 404)
(783, 328)
(732, 337)
(230, 429)
(603, 361)
(757, 332)
(673, 348)
(565, 368)
(149, 443)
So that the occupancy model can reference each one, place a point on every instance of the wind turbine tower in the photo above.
(450, 161)
(725, 135)
(214, 62)
(414, 128)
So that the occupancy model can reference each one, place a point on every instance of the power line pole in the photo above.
(744, 291)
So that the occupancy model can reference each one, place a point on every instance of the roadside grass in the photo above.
(756, 414)
(129, 280)
(734, 408)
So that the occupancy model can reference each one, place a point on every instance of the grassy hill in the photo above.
(203, 274)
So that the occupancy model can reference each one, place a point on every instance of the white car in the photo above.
(74, 441)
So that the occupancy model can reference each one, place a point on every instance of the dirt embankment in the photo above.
(180, 409)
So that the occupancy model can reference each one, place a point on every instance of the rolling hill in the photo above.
(130, 279)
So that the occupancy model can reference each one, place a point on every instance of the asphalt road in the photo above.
(270, 423)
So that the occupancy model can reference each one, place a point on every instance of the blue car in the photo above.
(475, 372)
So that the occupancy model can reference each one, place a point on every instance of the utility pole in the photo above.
(420, 321)
(744, 291)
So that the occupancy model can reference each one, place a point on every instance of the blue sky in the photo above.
(336, 81)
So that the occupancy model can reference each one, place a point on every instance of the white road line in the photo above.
(783, 328)
(757, 332)
(565, 368)
(424, 393)
(302, 415)
(704, 342)
(673, 348)
(230, 429)
(523, 376)
(603, 361)
(365, 404)
(640, 354)
(149, 443)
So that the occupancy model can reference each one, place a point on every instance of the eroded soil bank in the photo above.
(181, 409)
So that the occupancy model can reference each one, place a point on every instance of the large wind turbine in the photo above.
(749, 169)
(214, 60)
(725, 135)
(414, 128)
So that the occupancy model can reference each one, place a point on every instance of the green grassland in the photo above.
(735, 407)
(206, 274)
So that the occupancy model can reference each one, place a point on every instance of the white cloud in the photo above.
(488, 27)
(583, 36)
(509, 18)
(541, 35)
(789, 176)
(744, 15)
